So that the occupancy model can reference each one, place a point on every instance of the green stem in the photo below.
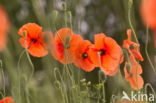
(33, 68)
(146, 47)
(19, 74)
(130, 21)
(3, 78)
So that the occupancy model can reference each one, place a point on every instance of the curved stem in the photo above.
(130, 22)
(150, 86)
(29, 59)
(146, 47)
(19, 74)
(3, 77)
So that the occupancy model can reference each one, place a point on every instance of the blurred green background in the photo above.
(85, 17)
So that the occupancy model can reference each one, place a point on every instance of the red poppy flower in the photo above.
(7, 100)
(65, 43)
(148, 11)
(132, 47)
(32, 38)
(82, 58)
(3, 28)
(132, 71)
(106, 53)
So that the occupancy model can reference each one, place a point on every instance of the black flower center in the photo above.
(102, 52)
(84, 55)
(34, 40)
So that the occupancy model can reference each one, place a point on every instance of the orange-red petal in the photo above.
(35, 41)
(38, 49)
(32, 30)
(132, 47)
(136, 82)
(109, 65)
(65, 43)
(3, 28)
(132, 74)
(7, 100)
(25, 42)
(62, 34)
(148, 8)
(79, 60)
(112, 56)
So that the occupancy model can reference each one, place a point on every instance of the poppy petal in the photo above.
(148, 9)
(38, 50)
(65, 43)
(136, 67)
(33, 30)
(3, 28)
(82, 58)
(7, 100)
(106, 53)
(132, 47)
(25, 42)
(98, 40)
(109, 65)
(114, 50)
(137, 82)
(63, 33)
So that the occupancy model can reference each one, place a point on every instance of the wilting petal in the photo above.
(132, 47)
(135, 66)
(136, 82)
(132, 72)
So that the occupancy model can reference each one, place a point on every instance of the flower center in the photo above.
(84, 55)
(33, 40)
(102, 52)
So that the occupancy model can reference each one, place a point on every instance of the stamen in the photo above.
(102, 52)
(34, 40)
(84, 55)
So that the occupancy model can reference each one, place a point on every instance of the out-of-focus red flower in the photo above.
(132, 71)
(148, 12)
(7, 100)
(65, 43)
(4, 26)
(106, 54)
(32, 38)
(82, 58)
(132, 47)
